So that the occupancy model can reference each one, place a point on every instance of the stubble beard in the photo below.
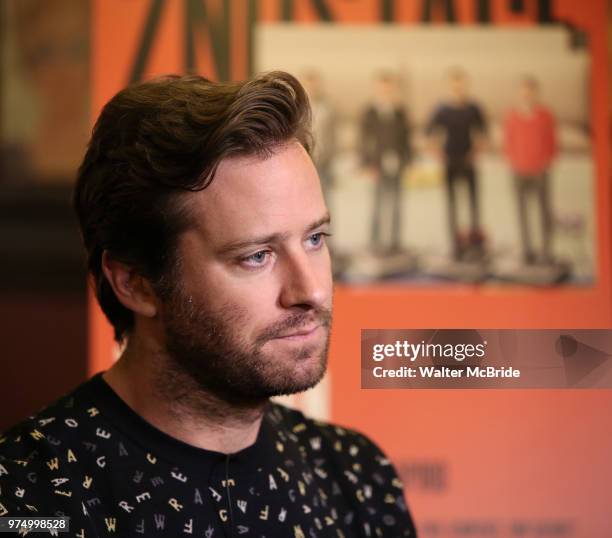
(208, 356)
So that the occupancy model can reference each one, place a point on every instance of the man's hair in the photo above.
(156, 141)
(386, 76)
(457, 73)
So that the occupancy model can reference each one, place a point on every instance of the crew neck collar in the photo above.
(173, 450)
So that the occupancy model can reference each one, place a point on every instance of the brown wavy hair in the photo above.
(155, 141)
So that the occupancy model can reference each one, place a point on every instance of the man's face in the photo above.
(249, 317)
(527, 94)
(386, 89)
(458, 87)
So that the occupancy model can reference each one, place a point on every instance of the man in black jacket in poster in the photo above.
(204, 225)
(459, 126)
(385, 152)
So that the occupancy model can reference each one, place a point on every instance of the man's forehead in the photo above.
(257, 194)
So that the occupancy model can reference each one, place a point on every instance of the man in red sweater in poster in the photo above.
(530, 146)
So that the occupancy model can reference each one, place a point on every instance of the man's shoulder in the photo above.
(34, 449)
(359, 468)
(441, 109)
(545, 112)
(323, 435)
(299, 422)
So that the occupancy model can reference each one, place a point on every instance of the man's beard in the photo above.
(208, 352)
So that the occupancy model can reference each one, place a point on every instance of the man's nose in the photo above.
(306, 279)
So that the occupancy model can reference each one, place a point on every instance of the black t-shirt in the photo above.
(92, 458)
(458, 124)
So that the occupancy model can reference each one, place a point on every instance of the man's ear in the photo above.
(132, 290)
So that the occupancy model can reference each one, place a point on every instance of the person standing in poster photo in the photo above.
(530, 145)
(385, 152)
(457, 131)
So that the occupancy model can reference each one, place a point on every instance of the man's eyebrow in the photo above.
(323, 220)
(272, 238)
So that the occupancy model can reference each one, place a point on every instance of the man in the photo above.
(530, 146)
(204, 224)
(385, 151)
(460, 126)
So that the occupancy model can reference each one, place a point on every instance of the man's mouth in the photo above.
(303, 333)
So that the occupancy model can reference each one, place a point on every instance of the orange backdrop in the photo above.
(470, 458)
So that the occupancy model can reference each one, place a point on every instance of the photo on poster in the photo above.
(449, 155)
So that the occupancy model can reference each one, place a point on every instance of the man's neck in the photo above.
(178, 407)
(458, 102)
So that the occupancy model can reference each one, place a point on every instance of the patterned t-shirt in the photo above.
(89, 456)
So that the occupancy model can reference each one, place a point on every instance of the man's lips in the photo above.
(302, 334)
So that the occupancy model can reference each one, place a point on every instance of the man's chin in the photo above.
(307, 376)
(301, 374)
(289, 390)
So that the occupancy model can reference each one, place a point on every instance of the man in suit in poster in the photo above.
(385, 152)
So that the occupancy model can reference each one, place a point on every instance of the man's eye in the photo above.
(317, 239)
(258, 258)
